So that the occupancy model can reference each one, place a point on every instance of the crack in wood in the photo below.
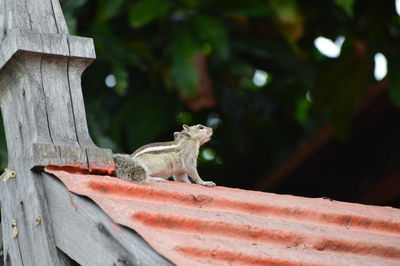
(72, 103)
(127, 258)
(29, 16)
(54, 15)
(44, 97)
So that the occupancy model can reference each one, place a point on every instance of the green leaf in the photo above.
(108, 9)
(346, 5)
(183, 71)
(192, 3)
(185, 76)
(142, 48)
(394, 80)
(184, 44)
(138, 117)
(69, 6)
(184, 118)
(145, 11)
(239, 68)
(251, 8)
(113, 49)
(97, 125)
(302, 109)
(72, 23)
(122, 80)
(213, 32)
(339, 88)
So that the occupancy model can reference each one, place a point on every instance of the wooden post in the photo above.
(44, 120)
(1, 246)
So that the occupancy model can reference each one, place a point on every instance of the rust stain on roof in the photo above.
(195, 225)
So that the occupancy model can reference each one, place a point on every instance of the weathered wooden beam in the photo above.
(44, 120)
(44, 72)
(1, 245)
(46, 68)
(23, 202)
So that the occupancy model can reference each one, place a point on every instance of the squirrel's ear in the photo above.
(176, 134)
(186, 127)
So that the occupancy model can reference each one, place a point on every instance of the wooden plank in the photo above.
(22, 197)
(1, 235)
(81, 51)
(55, 44)
(38, 93)
(56, 86)
(57, 96)
(26, 40)
(41, 16)
(59, 110)
(19, 40)
(100, 160)
(22, 75)
(22, 202)
(65, 260)
(76, 66)
(81, 47)
(2, 19)
(17, 15)
(1, 243)
(86, 234)
(7, 215)
(12, 249)
(59, 17)
(75, 69)
(67, 75)
(7, 49)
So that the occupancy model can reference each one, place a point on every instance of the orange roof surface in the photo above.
(195, 225)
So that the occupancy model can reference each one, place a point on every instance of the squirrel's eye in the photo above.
(200, 127)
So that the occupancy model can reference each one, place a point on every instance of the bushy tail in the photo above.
(127, 168)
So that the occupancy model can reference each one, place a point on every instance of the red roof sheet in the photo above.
(195, 225)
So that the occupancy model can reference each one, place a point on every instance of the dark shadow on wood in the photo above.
(65, 259)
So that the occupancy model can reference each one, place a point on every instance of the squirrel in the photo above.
(159, 161)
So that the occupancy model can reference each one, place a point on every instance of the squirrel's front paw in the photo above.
(208, 184)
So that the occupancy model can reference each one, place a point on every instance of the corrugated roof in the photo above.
(195, 225)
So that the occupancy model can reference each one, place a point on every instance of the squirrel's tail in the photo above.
(127, 168)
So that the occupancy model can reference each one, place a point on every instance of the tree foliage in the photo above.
(194, 61)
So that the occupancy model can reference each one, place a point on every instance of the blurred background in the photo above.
(303, 95)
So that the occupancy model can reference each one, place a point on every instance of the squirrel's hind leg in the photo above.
(126, 168)
(182, 178)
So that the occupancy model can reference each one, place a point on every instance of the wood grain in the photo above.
(16, 14)
(45, 123)
(2, 19)
(54, 63)
(59, 17)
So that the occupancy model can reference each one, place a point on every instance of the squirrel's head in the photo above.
(198, 132)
